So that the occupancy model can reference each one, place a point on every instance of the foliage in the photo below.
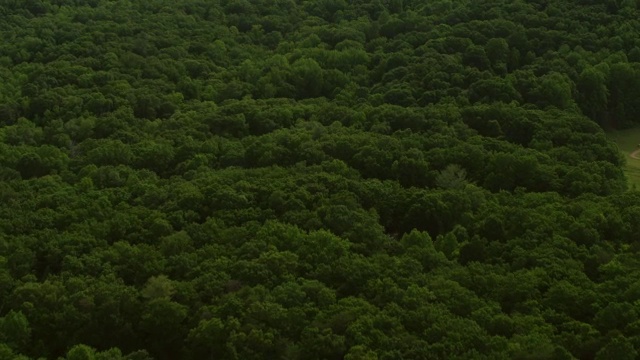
(328, 179)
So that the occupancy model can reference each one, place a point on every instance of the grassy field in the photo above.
(628, 141)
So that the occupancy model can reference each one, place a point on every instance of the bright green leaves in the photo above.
(15, 331)
(307, 77)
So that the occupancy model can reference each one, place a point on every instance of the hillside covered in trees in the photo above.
(318, 179)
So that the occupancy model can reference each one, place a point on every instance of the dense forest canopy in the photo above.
(318, 179)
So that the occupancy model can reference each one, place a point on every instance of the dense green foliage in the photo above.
(322, 179)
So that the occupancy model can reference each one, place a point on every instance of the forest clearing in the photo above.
(627, 141)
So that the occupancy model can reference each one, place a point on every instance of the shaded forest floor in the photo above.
(627, 141)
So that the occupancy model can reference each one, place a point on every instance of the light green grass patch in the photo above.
(627, 141)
